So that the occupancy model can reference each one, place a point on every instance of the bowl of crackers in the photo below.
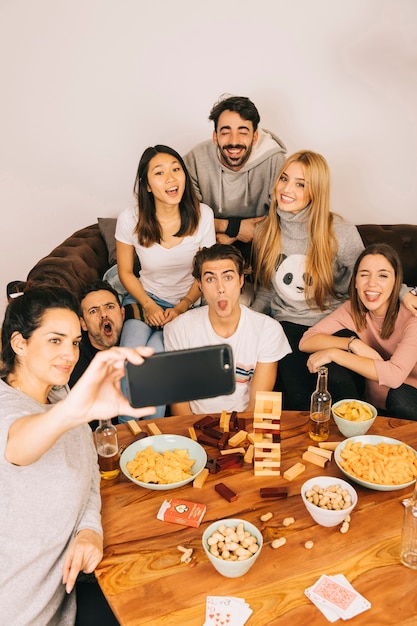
(353, 417)
(377, 462)
(163, 461)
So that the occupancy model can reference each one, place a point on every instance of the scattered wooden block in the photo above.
(224, 417)
(316, 459)
(225, 492)
(273, 492)
(199, 481)
(192, 433)
(237, 439)
(294, 471)
(321, 452)
(233, 451)
(329, 445)
(134, 427)
(248, 458)
(153, 429)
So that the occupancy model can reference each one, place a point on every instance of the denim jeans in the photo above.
(136, 333)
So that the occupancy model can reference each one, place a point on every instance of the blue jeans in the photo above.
(136, 333)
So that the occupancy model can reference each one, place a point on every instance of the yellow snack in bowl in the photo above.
(163, 468)
(383, 463)
(353, 411)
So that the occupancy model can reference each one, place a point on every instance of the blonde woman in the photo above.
(303, 260)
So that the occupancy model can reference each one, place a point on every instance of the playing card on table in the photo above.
(336, 597)
(226, 611)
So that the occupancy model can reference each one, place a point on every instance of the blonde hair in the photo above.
(267, 247)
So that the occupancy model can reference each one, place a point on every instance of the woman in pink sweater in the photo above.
(382, 346)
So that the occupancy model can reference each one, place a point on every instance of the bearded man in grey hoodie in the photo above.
(234, 173)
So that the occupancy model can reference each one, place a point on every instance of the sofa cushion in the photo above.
(107, 227)
(402, 237)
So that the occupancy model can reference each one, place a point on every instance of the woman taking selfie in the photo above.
(50, 524)
(382, 343)
(165, 229)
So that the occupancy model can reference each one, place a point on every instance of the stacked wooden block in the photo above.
(267, 433)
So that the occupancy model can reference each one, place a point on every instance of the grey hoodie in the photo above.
(245, 193)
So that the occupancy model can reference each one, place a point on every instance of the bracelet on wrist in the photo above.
(233, 226)
(349, 349)
(413, 291)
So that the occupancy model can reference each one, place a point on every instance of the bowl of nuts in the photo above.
(328, 500)
(232, 546)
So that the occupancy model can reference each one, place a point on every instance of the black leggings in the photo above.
(296, 382)
(402, 402)
(92, 607)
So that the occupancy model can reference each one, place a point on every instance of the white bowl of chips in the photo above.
(353, 417)
(163, 462)
(390, 460)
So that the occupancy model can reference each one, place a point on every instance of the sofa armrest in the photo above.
(77, 261)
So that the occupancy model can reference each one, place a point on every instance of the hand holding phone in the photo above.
(181, 376)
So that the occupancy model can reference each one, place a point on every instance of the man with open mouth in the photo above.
(102, 318)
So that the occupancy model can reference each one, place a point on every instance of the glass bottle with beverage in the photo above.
(107, 445)
(321, 401)
(408, 549)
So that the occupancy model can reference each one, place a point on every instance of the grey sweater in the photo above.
(43, 506)
(245, 193)
(285, 300)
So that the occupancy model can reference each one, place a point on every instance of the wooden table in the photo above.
(145, 583)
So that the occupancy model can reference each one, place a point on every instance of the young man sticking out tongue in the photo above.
(257, 341)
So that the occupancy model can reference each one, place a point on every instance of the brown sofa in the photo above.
(89, 252)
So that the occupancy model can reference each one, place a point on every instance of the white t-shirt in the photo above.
(166, 272)
(258, 339)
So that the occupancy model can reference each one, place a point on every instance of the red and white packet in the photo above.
(335, 597)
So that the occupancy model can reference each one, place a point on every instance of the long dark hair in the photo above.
(24, 315)
(148, 228)
(358, 309)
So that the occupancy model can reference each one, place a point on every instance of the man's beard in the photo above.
(238, 162)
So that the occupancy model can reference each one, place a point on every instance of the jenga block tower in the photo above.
(267, 433)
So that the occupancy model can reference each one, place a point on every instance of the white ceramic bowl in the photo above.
(372, 440)
(160, 443)
(232, 569)
(324, 517)
(349, 428)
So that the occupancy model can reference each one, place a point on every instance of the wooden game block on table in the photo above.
(316, 459)
(237, 439)
(328, 445)
(192, 433)
(248, 458)
(294, 471)
(134, 427)
(225, 492)
(153, 429)
(268, 403)
(266, 467)
(199, 481)
(327, 454)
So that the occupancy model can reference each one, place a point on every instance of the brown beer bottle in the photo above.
(321, 402)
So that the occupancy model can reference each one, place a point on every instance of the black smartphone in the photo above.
(181, 376)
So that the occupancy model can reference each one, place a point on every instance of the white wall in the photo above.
(86, 85)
